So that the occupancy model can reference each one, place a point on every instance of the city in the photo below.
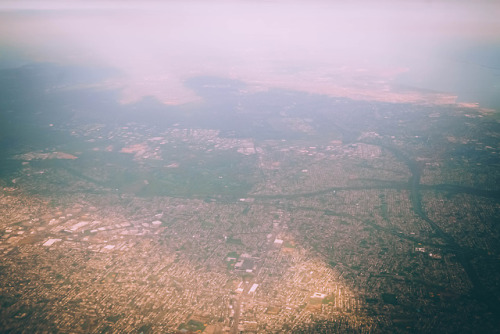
(133, 228)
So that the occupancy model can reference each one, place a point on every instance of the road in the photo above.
(244, 297)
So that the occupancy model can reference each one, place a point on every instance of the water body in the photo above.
(464, 258)
(470, 70)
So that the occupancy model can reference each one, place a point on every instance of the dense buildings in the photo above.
(349, 217)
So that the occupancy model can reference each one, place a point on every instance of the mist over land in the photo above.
(361, 49)
(249, 166)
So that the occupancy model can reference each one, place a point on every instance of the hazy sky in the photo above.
(358, 49)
